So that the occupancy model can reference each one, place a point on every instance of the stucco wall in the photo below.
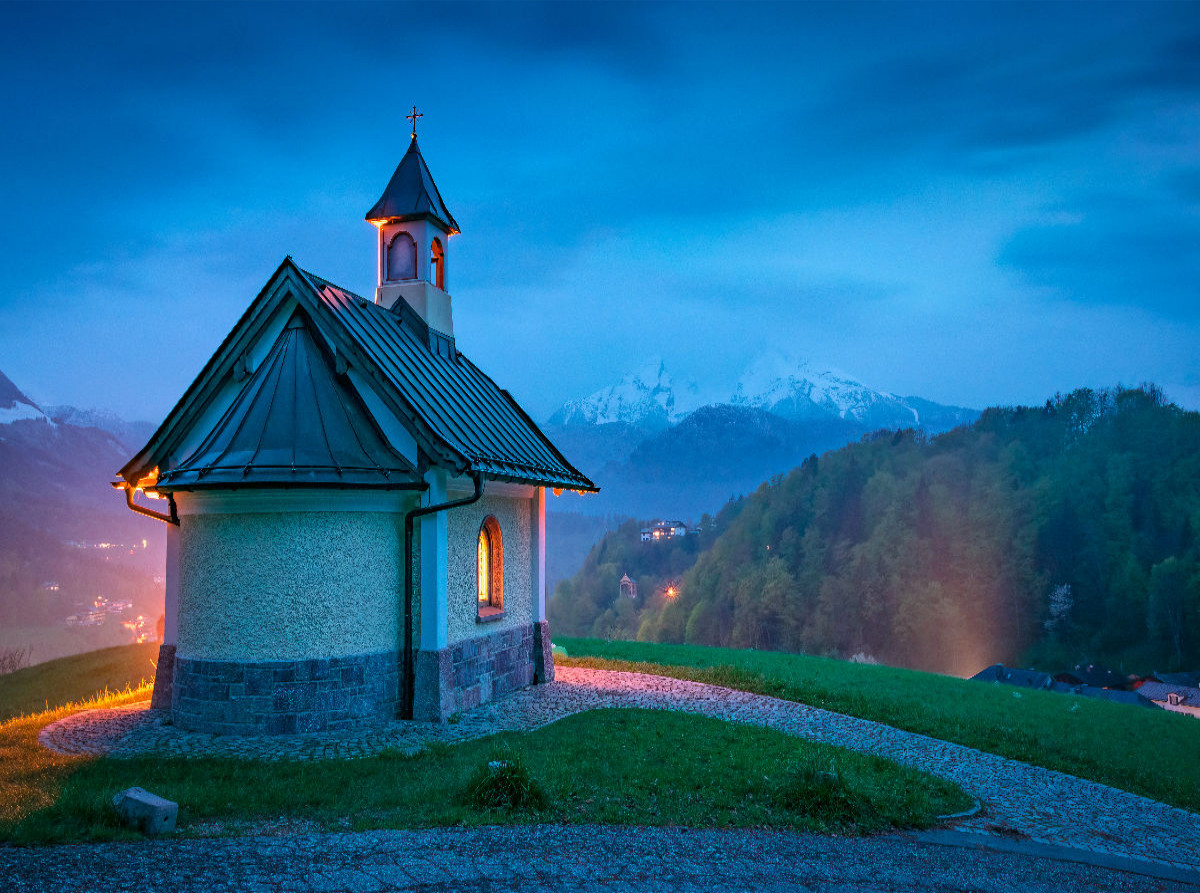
(274, 586)
(514, 516)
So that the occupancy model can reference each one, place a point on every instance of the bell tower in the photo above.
(414, 228)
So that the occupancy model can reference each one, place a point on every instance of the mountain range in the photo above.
(658, 449)
(649, 398)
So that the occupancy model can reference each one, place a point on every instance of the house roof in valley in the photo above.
(1116, 695)
(1094, 675)
(1010, 676)
(411, 194)
(457, 415)
(1160, 691)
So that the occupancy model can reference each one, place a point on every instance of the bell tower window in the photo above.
(401, 258)
(437, 264)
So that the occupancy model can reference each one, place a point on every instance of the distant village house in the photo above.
(663, 530)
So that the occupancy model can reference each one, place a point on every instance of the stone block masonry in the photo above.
(492, 665)
(285, 697)
(479, 670)
(164, 675)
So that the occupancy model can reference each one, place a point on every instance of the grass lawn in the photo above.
(70, 679)
(31, 777)
(1148, 752)
(636, 767)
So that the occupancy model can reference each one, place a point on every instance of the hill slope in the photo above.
(66, 537)
(941, 553)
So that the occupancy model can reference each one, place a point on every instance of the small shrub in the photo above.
(13, 659)
(504, 782)
(821, 792)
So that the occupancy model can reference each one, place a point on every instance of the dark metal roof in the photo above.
(453, 399)
(1158, 691)
(411, 194)
(1010, 676)
(1094, 675)
(295, 422)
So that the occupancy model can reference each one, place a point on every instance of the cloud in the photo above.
(1018, 82)
(1121, 250)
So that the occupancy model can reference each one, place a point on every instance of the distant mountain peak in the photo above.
(645, 397)
(800, 388)
(15, 406)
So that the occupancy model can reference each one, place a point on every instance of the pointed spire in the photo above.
(411, 193)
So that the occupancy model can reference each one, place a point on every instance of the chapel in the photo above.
(356, 511)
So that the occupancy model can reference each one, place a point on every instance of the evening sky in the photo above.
(979, 204)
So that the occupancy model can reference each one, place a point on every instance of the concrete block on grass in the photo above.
(148, 813)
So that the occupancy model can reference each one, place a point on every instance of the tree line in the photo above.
(1045, 535)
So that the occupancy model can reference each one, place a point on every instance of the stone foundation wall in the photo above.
(285, 697)
(479, 670)
(164, 675)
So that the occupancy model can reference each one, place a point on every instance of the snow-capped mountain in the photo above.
(15, 406)
(132, 434)
(798, 389)
(646, 397)
(787, 387)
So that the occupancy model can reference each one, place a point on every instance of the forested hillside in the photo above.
(1054, 535)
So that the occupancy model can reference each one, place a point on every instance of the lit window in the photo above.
(489, 567)
(437, 264)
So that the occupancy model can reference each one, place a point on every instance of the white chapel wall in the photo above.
(513, 514)
(289, 585)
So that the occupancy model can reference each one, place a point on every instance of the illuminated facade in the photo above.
(663, 530)
(357, 512)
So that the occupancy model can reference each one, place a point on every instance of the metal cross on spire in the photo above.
(413, 117)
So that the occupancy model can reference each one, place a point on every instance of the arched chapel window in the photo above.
(402, 258)
(489, 567)
(437, 264)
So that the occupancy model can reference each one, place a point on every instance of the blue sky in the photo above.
(975, 203)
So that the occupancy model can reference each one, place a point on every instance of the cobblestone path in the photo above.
(1020, 801)
(557, 859)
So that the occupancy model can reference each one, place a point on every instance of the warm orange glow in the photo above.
(672, 592)
(147, 483)
(558, 491)
(483, 569)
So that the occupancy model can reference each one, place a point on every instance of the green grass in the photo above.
(31, 777)
(1148, 752)
(70, 679)
(634, 767)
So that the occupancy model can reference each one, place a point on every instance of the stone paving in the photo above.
(1020, 801)
(558, 859)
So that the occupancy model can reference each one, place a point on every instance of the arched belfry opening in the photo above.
(401, 258)
(437, 264)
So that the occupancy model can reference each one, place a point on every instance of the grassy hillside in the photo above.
(1115, 744)
(632, 767)
(70, 679)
